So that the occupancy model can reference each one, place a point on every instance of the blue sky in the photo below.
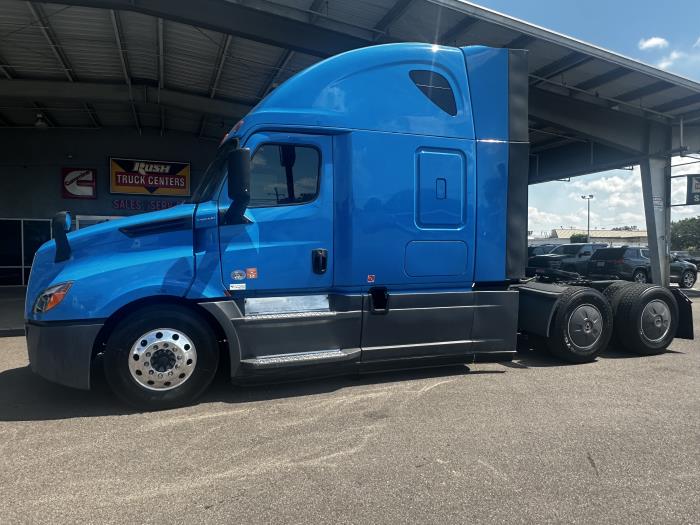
(662, 34)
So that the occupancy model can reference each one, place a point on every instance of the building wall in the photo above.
(31, 162)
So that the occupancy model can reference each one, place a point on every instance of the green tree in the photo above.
(685, 234)
(578, 237)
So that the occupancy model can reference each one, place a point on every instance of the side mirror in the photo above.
(238, 163)
(61, 224)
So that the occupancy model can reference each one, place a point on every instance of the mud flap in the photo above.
(685, 315)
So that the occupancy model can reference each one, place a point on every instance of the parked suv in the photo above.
(539, 249)
(632, 264)
(568, 257)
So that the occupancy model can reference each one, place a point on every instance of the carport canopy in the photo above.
(198, 67)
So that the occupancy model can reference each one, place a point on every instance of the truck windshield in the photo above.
(212, 176)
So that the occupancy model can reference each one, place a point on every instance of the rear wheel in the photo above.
(646, 319)
(160, 357)
(582, 325)
(640, 276)
(687, 279)
(613, 293)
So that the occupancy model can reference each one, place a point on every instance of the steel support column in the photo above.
(656, 189)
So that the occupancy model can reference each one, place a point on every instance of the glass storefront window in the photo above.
(21, 239)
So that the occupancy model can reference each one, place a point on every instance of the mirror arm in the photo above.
(60, 225)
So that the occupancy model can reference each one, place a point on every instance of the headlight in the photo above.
(51, 297)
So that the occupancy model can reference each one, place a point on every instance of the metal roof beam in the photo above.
(43, 25)
(604, 78)
(93, 115)
(393, 14)
(316, 8)
(277, 72)
(520, 42)
(607, 126)
(644, 91)
(239, 20)
(678, 103)
(161, 71)
(6, 69)
(562, 65)
(93, 92)
(216, 76)
(575, 159)
(507, 22)
(116, 26)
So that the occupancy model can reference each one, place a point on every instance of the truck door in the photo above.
(279, 266)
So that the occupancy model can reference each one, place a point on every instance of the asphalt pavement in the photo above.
(536, 441)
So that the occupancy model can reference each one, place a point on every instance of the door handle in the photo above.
(319, 260)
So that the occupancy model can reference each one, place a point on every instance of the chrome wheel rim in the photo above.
(585, 326)
(162, 359)
(688, 280)
(656, 320)
(640, 277)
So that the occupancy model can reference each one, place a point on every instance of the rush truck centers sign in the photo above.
(693, 195)
(148, 177)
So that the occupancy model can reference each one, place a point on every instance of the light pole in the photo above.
(588, 200)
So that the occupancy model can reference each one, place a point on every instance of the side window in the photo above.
(436, 87)
(282, 174)
(631, 253)
(645, 254)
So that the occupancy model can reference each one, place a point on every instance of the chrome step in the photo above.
(302, 358)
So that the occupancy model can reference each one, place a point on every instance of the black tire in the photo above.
(688, 279)
(582, 325)
(640, 276)
(613, 294)
(637, 329)
(151, 319)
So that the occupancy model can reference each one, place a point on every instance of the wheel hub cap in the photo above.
(162, 359)
(585, 326)
(656, 320)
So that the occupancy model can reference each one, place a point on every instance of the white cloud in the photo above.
(541, 220)
(655, 42)
(611, 184)
(697, 42)
(670, 59)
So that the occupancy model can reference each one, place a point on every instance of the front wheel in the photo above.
(160, 357)
(687, 279)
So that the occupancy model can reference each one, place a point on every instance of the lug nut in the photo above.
(150, 372)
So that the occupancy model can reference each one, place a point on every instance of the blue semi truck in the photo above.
(370, 212)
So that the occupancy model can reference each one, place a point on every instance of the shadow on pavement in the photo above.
(24, 396)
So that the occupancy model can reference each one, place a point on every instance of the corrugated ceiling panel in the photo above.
(87, 39)
(299, 62)
(22, 45)
(190, 56)
(140, 34)
(424, 22)
(482, 33)
(248, 69)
